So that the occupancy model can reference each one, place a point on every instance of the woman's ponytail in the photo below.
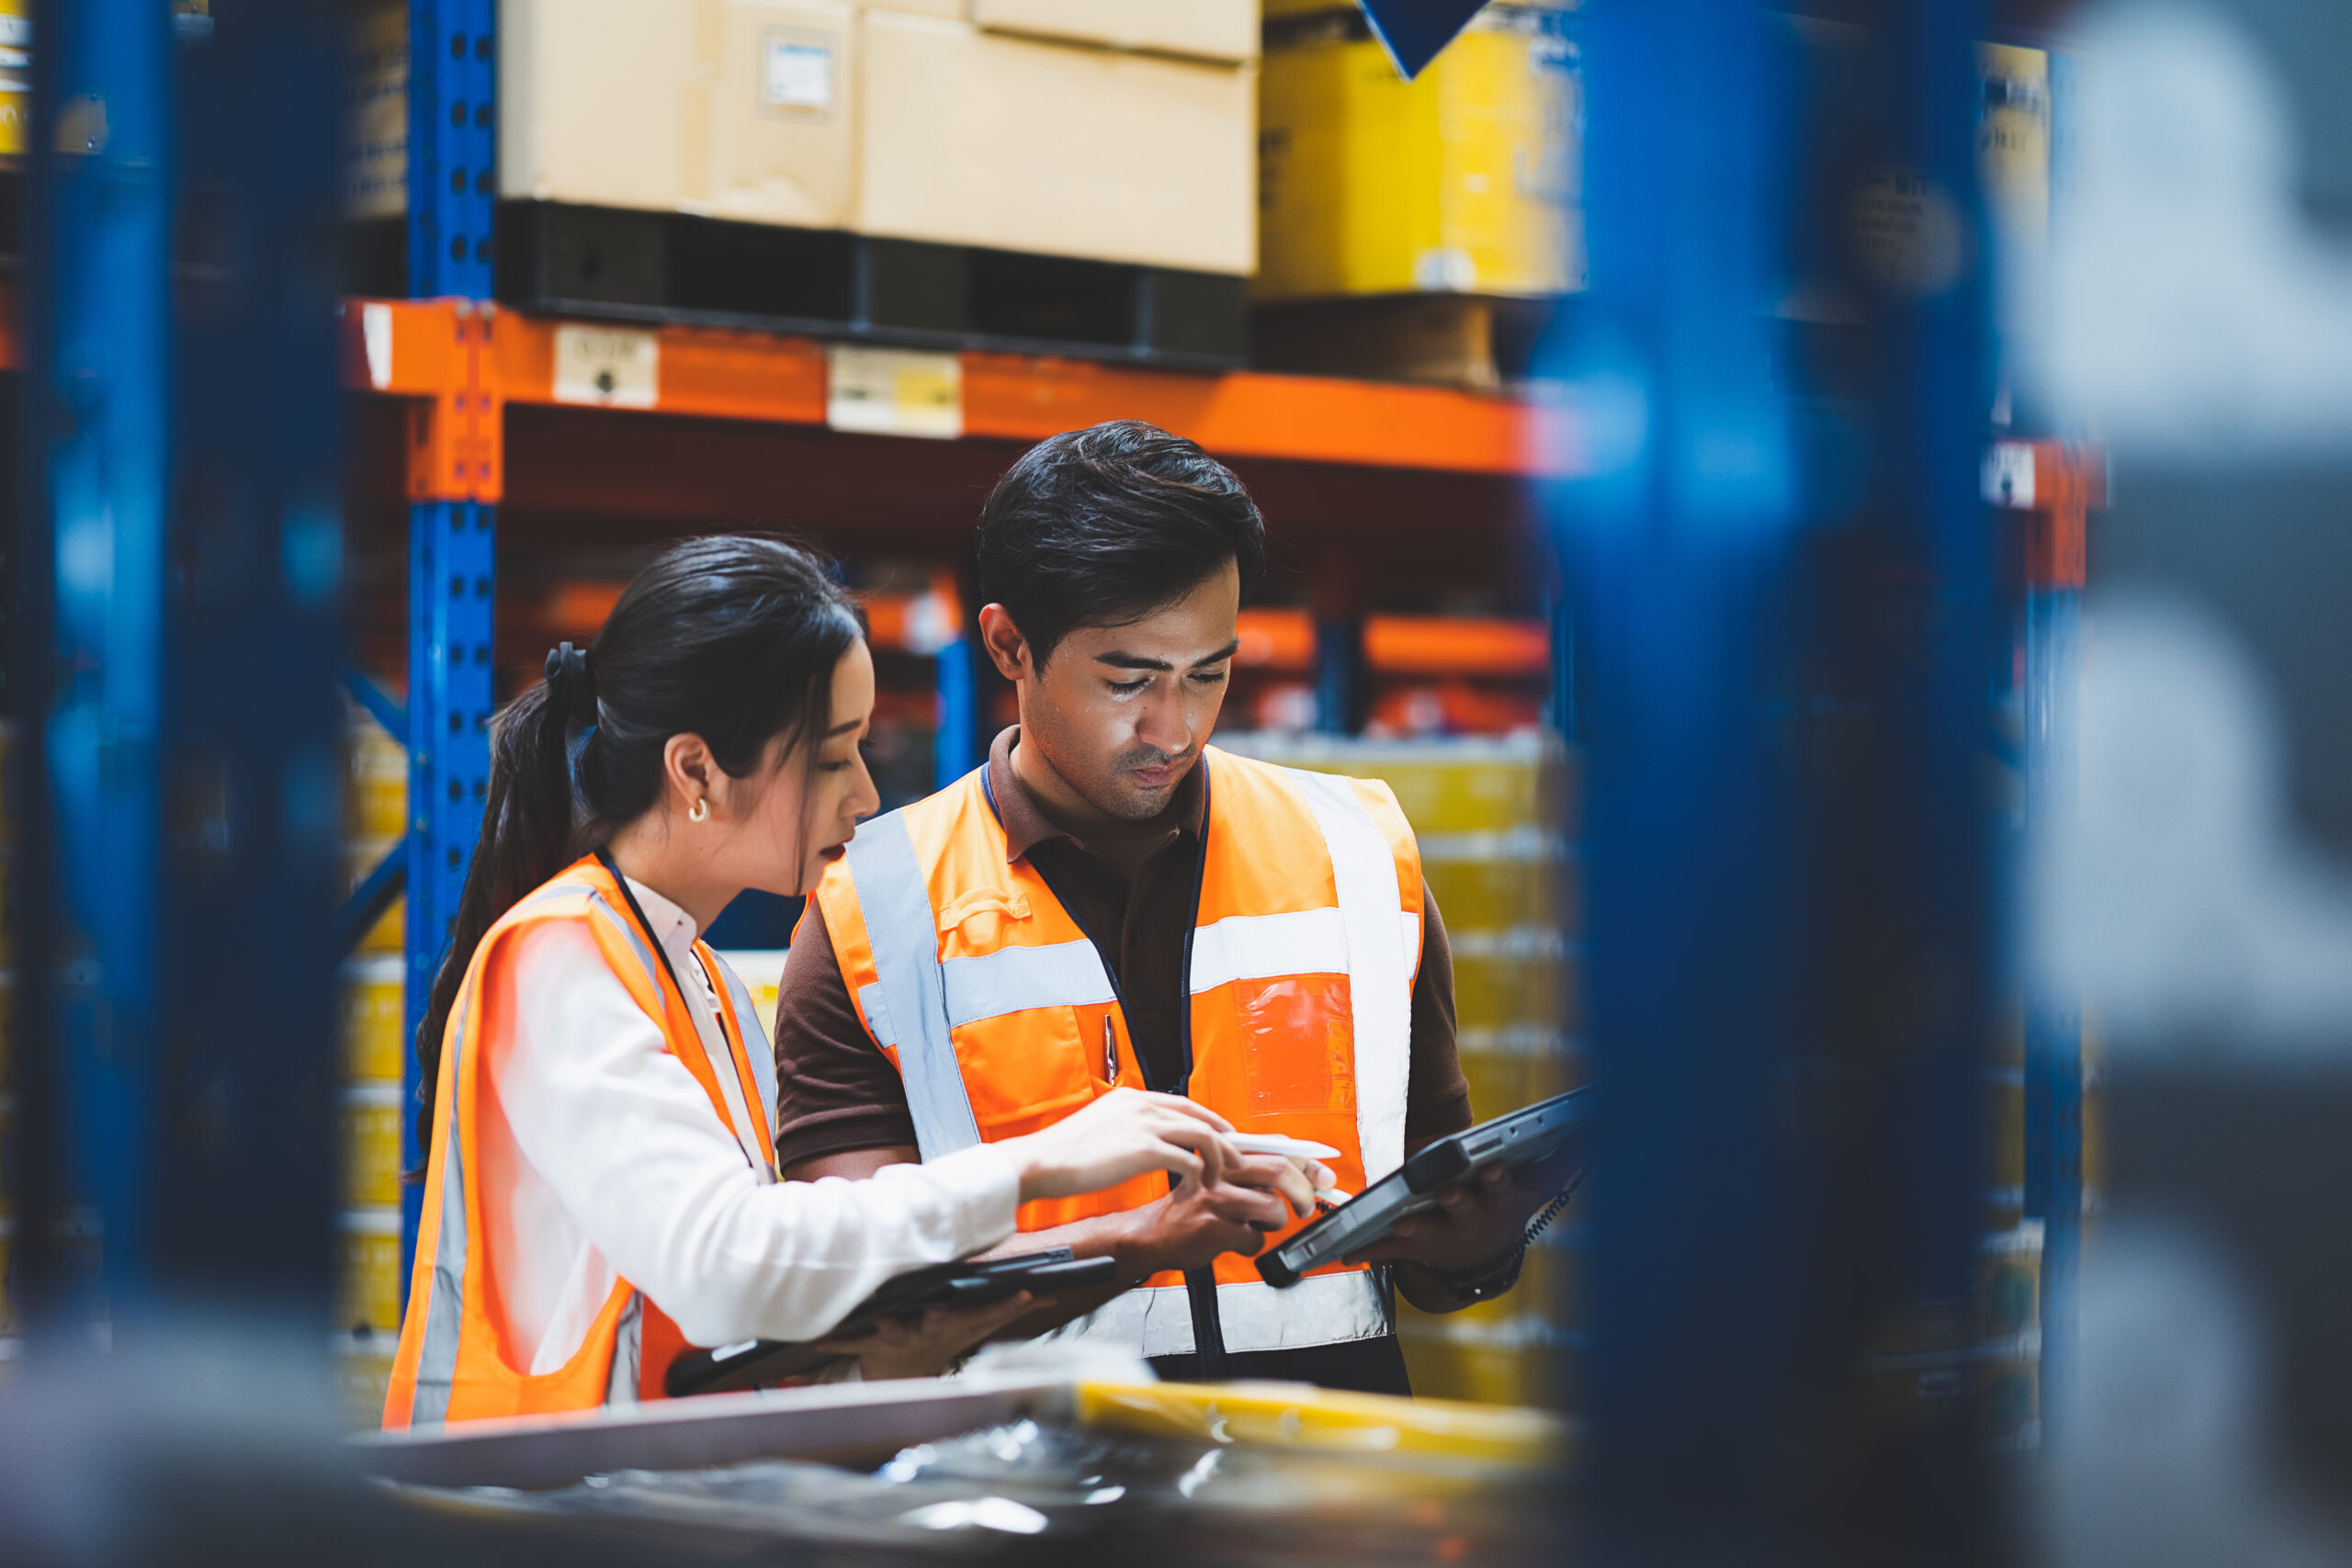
(733, 640)
(526, 839)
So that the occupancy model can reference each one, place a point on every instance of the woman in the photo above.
(601, 1189)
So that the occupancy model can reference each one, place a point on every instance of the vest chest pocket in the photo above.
(1294, 1040)
(1021, 1018)
(1028, 1069)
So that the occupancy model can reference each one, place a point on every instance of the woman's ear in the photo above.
(691, 770)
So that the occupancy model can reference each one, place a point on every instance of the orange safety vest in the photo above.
(453, 1363)
(994, 1006)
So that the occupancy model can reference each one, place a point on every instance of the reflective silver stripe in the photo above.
(620, 1384)
(1012, 979)
(755, 1042)
(904, 931)
(627, 928)
(1322, 1309)
(1409, 922)
(718, 1052)
(1268, 947)
(1380, 982)
(877, 1008)
(444, 1308)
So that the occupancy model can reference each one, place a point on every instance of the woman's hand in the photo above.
(928, 1345)
(1123, 1134)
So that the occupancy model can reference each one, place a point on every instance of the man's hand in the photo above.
(1475, 1223)
(928, 1345)
(1196, 1223)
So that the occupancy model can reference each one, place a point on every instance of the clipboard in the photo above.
(753, 1363)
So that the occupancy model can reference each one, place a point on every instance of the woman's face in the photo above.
(807, 813)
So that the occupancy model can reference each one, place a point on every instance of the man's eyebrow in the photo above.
(1118, 660)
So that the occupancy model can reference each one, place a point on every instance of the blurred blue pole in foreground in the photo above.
(1783, 591)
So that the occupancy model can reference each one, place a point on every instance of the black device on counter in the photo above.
(977, 1281)
(1558, 1130)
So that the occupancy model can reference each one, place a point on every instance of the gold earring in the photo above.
(699, 811)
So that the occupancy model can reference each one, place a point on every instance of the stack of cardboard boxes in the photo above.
(1112, 129)
(1494, 821)
(375, 1046)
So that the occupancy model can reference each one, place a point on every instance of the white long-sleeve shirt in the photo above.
(600, 1157)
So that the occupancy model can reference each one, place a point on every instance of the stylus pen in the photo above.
(1110, 1051)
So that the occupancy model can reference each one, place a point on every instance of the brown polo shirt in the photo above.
(837, 1093)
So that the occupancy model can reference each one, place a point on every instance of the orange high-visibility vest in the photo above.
(991, 1001)
(453, 1363)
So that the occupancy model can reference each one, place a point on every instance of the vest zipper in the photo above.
(1200, 1284)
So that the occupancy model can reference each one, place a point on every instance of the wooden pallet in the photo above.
(1453, 340)
(658, 266)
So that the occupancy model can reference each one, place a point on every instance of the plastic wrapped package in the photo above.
(1232, 1474)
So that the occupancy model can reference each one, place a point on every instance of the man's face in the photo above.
(1122, 712)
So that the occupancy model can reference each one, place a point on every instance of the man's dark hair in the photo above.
(1101, 527)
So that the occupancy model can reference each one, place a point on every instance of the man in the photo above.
(1110, 901)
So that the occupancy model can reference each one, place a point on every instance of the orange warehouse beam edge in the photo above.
(403, 348)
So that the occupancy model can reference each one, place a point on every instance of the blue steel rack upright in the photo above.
(452, 192)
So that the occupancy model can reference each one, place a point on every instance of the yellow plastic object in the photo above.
(371, 1152)
(368, 1249)
(374, 1046)
(16, 74)
(1465, 180)
(1293, 1416)
(375, 801)
(2013, 142)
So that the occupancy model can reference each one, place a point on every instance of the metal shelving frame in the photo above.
(460, 361)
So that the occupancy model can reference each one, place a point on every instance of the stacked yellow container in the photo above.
(1494, 820)
(1410, 229)
(375, 1046)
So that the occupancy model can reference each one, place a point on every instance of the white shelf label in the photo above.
(607, 366)
(376, 332)
(2008, 475)
(894, 392)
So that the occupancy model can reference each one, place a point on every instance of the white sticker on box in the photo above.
(607, 366)
(895, 391)
(797, 76)
(2008, 475)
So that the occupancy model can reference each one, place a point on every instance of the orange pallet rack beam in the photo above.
(463, 363)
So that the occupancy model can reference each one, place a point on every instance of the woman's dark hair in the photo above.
(1101, 527)
(733, 640)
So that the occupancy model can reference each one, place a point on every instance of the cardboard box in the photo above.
(976, 138)
(1466, 180)
(731, 109)
(1209, 29)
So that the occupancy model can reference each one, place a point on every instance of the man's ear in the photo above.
(1008, 649)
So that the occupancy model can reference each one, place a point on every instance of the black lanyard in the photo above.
(605, 860)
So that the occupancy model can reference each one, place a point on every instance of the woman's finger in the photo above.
(1194, 1108)
(1202, 1141)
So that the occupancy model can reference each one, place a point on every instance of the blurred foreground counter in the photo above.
(1009, 1467)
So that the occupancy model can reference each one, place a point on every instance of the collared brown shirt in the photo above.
(836, 1092)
